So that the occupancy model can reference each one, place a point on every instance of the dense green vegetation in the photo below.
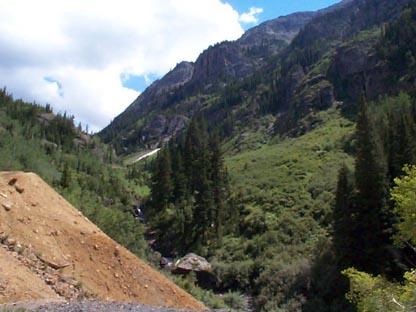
(316, 204)
(366, 220)
(285, 191)
(190, 199)
(398, 47)
(307, 210)
(373, 294)
(282, 192)
(377, 293)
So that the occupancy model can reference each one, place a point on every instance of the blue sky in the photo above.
(276, 8)
(93, 58)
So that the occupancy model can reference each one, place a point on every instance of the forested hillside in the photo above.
(83, 169)
(190, 195)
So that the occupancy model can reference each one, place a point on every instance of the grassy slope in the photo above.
(286, 172)
(285, 188)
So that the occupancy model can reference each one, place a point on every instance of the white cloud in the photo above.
(251, 16)
(82, 48)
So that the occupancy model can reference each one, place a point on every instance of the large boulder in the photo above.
(199, 266)
(191, 263)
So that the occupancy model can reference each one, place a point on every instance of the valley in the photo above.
(282, 158)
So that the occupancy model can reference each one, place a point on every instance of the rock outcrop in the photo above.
(332, 60)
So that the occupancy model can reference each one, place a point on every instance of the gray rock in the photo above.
(191, 262)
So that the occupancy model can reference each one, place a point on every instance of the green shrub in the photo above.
(374, 294)
(234, 300)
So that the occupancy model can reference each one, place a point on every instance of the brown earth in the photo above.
(50, 251)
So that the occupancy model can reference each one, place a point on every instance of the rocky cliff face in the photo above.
(284, 28)
(221, 61)
(241, 58)
(177, 77)
(355, 69)
(334, 58)
(308, 59)
(174, 79)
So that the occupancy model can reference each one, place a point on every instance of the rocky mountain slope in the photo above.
(288, 66)
(335, 58)
(218, 63)
(50, 251)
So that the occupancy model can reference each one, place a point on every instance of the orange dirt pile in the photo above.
(50, 251)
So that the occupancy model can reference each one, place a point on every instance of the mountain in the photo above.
(50, 251)
(141, 122)
(164, 107)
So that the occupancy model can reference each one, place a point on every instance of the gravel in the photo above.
(90, 306)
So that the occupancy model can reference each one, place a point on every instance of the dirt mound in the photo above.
(50, 251)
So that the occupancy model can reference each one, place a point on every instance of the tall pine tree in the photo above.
(344, 220)
(219, 186)
(162, 185)
(372, 219)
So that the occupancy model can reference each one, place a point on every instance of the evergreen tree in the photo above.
(196, 208)
(180, 181)
(162, 185)
(372, 220)
(66, 176)
(198, 169)
(219, 181)
(344, 232)
(401, 137)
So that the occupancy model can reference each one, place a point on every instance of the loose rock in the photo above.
(7, 206)
(13, 181)
(19, 189)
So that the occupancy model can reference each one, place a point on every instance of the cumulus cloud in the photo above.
(251, 16)
(74, 54)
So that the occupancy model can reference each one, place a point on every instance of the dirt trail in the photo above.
(50, 251)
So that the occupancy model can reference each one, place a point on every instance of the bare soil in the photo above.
(49, 251)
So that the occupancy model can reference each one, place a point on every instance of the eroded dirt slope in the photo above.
(50, 251)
